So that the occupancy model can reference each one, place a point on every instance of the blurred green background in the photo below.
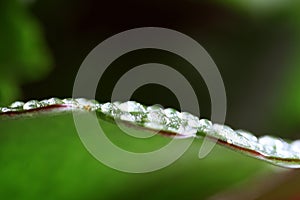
(255, 45)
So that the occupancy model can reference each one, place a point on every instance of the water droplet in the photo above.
(247, 135)
(106, 107)
(154, 126)
(273, 142)
(205, 126)
(116, 103)
(170, 112)
(295, 146)
(17, 104)
(51, 101)
(154, 107)
(173, 122)
(31, 105)
(189, 120)
(155, 115)
(5, 109)
(225, 133)
(86, 104)
(127, 117)
(131, 106)
(110, 109)
(70, 101)
(275, 147)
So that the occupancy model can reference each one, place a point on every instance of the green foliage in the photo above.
(23, 56)
(51, 163)
(257, 7)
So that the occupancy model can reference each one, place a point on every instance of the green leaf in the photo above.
(168, 122)
(43, 157)
(23, 54)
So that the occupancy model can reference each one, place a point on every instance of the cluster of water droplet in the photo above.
(69, 104)
(181, 123)
(268, 146)
(188, 125)
(155, 117)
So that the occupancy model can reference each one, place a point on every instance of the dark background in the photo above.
(251, 48)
